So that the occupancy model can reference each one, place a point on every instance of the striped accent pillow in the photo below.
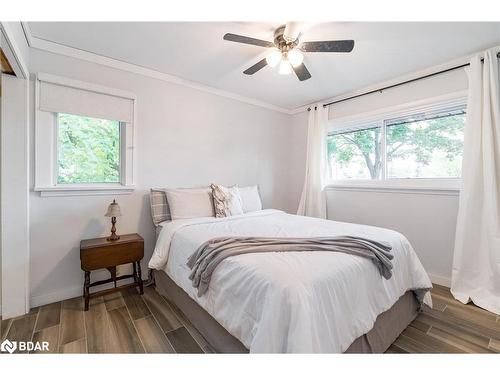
(159, 206)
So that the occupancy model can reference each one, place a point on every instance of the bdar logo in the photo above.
(8, 346)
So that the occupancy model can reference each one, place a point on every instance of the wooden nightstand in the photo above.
(100, 253)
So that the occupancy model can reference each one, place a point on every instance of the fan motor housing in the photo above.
(281, 43)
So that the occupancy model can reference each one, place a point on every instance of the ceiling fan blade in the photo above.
(256, 67)
(328, 46)
(247, 40)
(302, 72)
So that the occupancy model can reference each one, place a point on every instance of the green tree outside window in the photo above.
(88, 150)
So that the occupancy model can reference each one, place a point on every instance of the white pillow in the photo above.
(250, 198)
(227, 200)
(190, 203)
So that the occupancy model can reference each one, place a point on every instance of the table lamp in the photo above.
(113, 212)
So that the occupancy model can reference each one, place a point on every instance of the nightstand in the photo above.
(98, 253)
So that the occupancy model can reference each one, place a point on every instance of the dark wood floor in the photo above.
(124, 322)
(450, 327)
(129, 323)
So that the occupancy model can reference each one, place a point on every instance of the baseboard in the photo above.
(59, 295)
(62, 294)
(440, 280)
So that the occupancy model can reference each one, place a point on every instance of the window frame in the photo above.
(381, 118)
(47, 146)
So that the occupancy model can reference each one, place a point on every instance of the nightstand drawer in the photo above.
(111, 255)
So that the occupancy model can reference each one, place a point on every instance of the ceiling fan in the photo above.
(287, 52)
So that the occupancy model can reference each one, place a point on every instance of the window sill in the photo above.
(75, 190)
(403, 186)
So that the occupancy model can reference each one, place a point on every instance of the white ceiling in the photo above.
(196, 51)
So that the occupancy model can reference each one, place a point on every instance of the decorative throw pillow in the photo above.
(160, 211)
(227, 200)
(250, 198)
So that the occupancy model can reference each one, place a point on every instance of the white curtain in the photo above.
(476, 262)
(312, 201)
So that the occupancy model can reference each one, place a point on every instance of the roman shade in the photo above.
(83, 99)
(56, 94)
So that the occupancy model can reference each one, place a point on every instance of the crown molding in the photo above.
(60, 49)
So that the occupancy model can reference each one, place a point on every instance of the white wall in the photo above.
(185, 138)
(297, 133)
(442, 84)
(427, 219)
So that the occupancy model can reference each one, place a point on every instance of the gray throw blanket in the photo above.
(212, 252)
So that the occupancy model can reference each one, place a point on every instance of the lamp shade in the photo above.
(113, 210)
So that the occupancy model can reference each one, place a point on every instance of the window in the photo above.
(422, 145)
(430, 147)
(88, 150)
(84, 138)
(355, 154)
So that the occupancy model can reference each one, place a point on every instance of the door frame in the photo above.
(14, 195)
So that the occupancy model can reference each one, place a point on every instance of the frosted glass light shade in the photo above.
(285, 67)
(113, 210)
(295, 57)
(273, 58)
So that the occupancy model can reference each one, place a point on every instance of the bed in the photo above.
(291, 302)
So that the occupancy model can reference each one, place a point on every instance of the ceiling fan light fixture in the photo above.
(295, 57)
(285, 67)
(273, 58)
(284, 50)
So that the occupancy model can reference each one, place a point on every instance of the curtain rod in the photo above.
(399, 84)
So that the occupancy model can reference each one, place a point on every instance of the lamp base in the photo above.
(113, 237)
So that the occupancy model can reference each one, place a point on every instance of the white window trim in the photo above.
(440, 186)
(431, 186)
(91, 189)
(45, 171)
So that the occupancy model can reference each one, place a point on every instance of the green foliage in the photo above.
(89, 150)
(418, 140)
(366, 143)
(422, 138)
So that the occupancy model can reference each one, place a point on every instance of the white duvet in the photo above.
(291, 301)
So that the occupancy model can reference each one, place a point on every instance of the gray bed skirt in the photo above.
(385, 331)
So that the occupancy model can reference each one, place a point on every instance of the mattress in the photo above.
(291, 301)
(386, 328)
